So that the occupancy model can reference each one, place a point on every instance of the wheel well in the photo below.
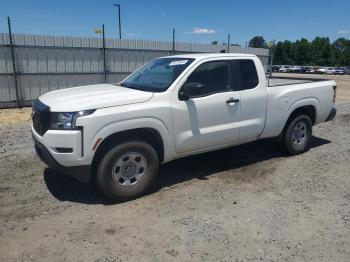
(310, 111)
(148, 135)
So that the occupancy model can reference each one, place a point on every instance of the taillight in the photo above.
(335, 93)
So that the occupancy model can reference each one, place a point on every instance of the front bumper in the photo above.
(81, 173)
(332, 114)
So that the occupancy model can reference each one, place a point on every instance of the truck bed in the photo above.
(282, 81)
(286, 94)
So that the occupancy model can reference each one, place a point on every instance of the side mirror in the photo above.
(183, 95)
(190, 89)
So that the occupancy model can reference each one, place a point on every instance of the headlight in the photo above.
(66, 120)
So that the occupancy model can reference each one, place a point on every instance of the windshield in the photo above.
(157, 75)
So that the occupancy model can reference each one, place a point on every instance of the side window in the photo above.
(213, 75)
(244, 75)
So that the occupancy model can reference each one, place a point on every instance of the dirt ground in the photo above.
(247, 203)
(13, 116)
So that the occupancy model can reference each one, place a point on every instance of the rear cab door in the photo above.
(251, 85)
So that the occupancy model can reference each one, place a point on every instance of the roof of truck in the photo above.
(212, 55)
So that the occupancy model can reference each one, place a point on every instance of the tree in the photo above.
(340, 52)
(215, 42)
(320, 51)
(300, 52)
(287, 52)
(257, 42)
(278, 55)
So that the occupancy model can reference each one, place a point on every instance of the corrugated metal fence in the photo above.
(46, 63)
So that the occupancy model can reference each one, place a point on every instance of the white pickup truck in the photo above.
(118, 134)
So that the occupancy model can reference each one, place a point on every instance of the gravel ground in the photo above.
(246, 203)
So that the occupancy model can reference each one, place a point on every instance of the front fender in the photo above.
(130, 124)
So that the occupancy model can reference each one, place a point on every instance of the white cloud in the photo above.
(343, 32)
(199, 30)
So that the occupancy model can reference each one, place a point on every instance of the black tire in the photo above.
(299, 141)
(107, 178)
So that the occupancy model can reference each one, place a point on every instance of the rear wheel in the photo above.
(127, 171)
(297, 135)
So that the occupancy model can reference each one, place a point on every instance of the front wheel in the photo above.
(127, 170)
(297, 135)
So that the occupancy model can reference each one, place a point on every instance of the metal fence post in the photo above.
(173, 50)
(12, 47)
(228, 43)
(104, 54)
(271, 56)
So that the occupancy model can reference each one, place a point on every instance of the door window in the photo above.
(214, 76)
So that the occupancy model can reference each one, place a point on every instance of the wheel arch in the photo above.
(309, 110)
(146, 134)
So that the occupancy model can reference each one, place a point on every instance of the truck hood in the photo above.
(93, 97)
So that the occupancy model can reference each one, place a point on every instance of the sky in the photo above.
(193, 20)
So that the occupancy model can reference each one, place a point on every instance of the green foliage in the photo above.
(340, 52)
(215, 42)
(279, 56)
(301, 52)
(257, 42)
(319, 52)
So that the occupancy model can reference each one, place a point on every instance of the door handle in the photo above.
(232, 100)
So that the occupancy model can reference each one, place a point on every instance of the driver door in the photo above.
(210, 117)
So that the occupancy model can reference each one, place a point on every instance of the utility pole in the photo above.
(120, 26)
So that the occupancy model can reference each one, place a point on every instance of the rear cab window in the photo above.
(244, 75)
